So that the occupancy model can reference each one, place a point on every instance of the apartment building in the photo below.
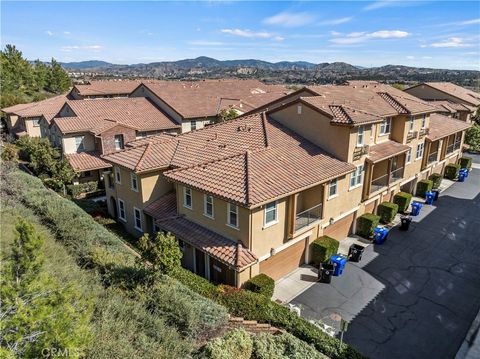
(103, 89)
(452, 100)
(86, 129)
(24, 119)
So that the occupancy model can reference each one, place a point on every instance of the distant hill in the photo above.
(295, 72)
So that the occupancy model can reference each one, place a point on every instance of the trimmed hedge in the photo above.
(451, 171)
(424, 186)
(436, 179)
(261, 284)
(366, 223)
(323, 248)
(465, 162)
(402, 199)
(387, 211)
(77, 189)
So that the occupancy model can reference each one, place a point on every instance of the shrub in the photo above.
(261, 284)
(387, 211)
(162, 252)
(465, 162)
(402, 199)
(77, 189)
(323, 248)
(236, 344)
(472, 137)
(266, 346)
(436, 179)
(366, 223)
(451, 171)
(423, 187)
(198, 284)
(9, 152)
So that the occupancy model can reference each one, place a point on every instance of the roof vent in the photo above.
(223, 145)
(245, 128)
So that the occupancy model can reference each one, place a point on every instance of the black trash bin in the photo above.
(405, 222)
(436, 193)
(355, 253)
(325, 272)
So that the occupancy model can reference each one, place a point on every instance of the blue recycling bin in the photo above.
(465, 171)
(339, 262)
(416, 207)
(461, 176)
(380, 235)
(436, 193)
(429, 197)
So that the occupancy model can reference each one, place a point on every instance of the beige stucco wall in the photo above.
(33, 131)
(68, 142)
(152, 186)
(201, 123)
(13, 121)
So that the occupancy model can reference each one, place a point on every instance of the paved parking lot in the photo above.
(427, 282)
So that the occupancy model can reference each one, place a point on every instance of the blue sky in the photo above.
(440, 34)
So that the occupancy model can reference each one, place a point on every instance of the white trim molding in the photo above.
(286, 245)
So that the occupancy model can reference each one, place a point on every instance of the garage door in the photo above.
(369, 208)
(340, 229)
(285, 261)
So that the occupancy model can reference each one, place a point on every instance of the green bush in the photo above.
(267, 346)
(387, 211)
(465, 162)
(9, 152)
(366, 223)
(436, 179)
(261, 284)
(451, 171)
(423, 187)
(323, 248)
(77, 189)
(402, 199)
(472, 137)
(236, 344)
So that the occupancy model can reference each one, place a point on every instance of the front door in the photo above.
(199, 263)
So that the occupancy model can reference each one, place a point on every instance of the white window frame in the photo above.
(205, 206)
(187, 192)
(333, 184)
(122, 142)
(360, 136)
(118, 175)
(372, 131)
(134, 179)
(408, 156)
(386, 123)
(139, 218)
(411, 124)
(299, 109)
(193, 125)
(356, 177)
(79, 146)
(229, 211)
(424, 121)
(267, 210)
(36, 123)
(421, 149)
(120, 217)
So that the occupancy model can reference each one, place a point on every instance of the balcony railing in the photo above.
(396, 175)
(423, 132)
(378, 183)
(432, 157)
(411, 136)
(450, 148)
(456, 145)
(307, 217)
(360, 151)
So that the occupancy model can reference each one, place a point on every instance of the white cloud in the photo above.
(451, 42)
(410, 57)
(387, 3)
(359, 37)
(67, 33)
(335, 33)
(49, 33)
(341, 20)
(469, 22)
(206, 43)
(252, 34)
(93, 48)
(289, 19)
(427, 57)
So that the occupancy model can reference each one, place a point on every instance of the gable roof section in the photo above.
(86, 161)
(463, 94)
(108, 87)
(47, 108)
(442, 126)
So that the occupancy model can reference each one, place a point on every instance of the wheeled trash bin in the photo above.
(416, 207)
(405, 222)
(339, 262)
(355, 253)
(429, 197)
(325, 272)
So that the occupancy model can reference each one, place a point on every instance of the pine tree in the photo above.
(58, 80)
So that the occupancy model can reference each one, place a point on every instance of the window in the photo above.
(408, 157)
(372, 131)
(356, 177)
(137, 219)
(299, 109)
(411, 123)
(193, 125)
(332, 188)
(118, 177)
(187, 197)
(181, 244)
(385, 126)
(79, 143)
(134, 181)
(121, 210)
(419, 153)
(36, 123)
(271, 213)
(360, 136)
(424, 121)
(119, 142)
(156, 228)
(232, 215)
(87, 174)
(208, 205)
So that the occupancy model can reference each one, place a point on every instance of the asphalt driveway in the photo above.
(427, 282)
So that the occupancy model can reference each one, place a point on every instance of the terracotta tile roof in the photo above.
(86, 161)
(98, 115)
(219, 247)
(449, 106)
(109, 87)
(47, 108)
(366, 103)
(459, 92)
(163, 207)
(442, 126)
(385, 150)
(207, 98)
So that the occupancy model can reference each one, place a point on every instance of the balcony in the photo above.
(432, 157)
(423, 132)
(451, 148)
(396, 174)
(307, 217)
(456, 145)
(360, 151)
(411, 136)
(378, 183)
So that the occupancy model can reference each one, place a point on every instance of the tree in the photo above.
(472, 137)
(161, 252)
(57, 80)
(9, 152)
(226, 115)
(15, 76)
(40, 74)
(37, 312)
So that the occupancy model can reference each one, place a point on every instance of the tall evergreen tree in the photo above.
(58, 80)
